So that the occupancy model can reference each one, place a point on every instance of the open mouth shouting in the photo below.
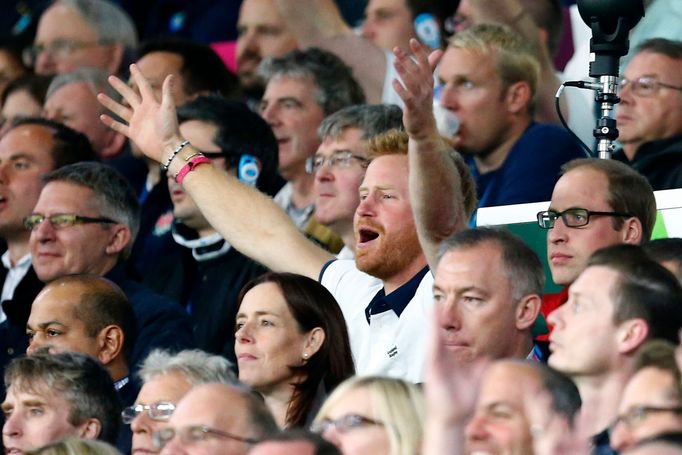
(365, 235)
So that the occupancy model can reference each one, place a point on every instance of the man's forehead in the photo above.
(458, 265)
(386, 5)
(64, 294)
(504, 381)
(595, 279)
(482, 58)
(282, 86)
(60, 196)
(75, 86)
(255, 12)
(210, 404)
(581, 187)
(652, 380)
(60, 21)
(27, 139)
(348, 139)
(31, 388)
(649, 63)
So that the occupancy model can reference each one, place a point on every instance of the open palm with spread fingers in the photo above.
(415, 87)
(153, 126)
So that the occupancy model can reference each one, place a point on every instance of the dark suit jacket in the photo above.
(161, 322)
(13, 341)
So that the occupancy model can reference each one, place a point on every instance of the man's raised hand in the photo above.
(151, 125)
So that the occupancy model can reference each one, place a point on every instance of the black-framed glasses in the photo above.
(161, 411)
(341, 159)
(194, 434)
(645, 85)
(575, 217)
(636, 416)
(58, 48)
(344, 423)
(62, 220)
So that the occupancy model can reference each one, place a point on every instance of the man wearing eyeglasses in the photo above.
(302, 88)
(84, 222)
(649, 115)
(596, 203)
(167, 377)
(216, 419)
(74, 34)
(340, 162)
(652, 399)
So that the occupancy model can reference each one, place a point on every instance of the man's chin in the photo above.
(45, 274)
(252, 85)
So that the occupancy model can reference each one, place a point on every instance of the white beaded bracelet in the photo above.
(177, 150)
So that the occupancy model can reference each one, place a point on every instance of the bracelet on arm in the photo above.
(177, 150)
(192, 162)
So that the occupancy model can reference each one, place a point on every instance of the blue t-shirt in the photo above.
(531, 169)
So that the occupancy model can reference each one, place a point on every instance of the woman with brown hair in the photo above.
(291, 344)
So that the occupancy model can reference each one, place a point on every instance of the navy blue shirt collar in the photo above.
(396, 300)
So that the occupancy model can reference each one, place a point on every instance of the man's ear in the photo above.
(527, 311)
(120, 237)
(632, 232)
(631, 334)
(110, 344)
(518, 97)
(90, 429)
(314, 342)
(117, 54)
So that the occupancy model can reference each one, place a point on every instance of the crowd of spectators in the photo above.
(251, 227)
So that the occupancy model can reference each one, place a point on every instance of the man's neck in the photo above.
(521, 347)
(405, 275)
(600, 398)
(154, 172)
(118, 370)
(105, 267)
(18, 247)
(495, 158)
(630, 149)
(344, 229)
(302, 191)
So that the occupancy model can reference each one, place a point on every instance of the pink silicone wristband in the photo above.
(189, 167)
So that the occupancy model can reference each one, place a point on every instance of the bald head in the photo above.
(86, 314)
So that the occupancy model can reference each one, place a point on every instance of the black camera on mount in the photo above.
(610, 22)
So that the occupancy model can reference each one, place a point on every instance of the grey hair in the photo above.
(372, 119)
(197, 366)
(95, 78)
(114, 196)
(78, 379)
(670, 48)
(336, 87)
(522, 266)
(111, 23)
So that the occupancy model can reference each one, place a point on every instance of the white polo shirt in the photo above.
(387, 344)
